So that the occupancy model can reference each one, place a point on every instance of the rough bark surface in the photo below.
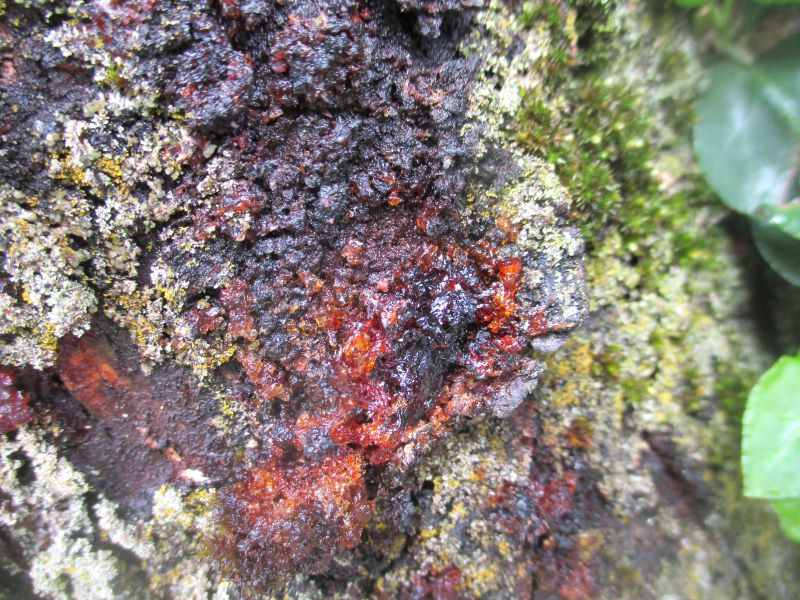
(290, 306)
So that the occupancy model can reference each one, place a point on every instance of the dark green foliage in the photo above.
(747, 140)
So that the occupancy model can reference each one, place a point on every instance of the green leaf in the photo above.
(779, 75)
(744, 148)
(780, 250)
(786, 218)
(771, 433)
(788, 512)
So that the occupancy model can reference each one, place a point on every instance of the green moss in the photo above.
(599, 149)
(732, 387)
(535, 12)
(670, 347)
(113, 76)
(580, 30)
(595, 125)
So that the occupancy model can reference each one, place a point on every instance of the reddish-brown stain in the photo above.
(14, 409)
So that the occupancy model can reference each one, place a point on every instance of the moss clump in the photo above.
(600, 151)
(593, 122)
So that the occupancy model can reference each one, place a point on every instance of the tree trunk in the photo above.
(384, 299)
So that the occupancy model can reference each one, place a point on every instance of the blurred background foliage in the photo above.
(747, 142)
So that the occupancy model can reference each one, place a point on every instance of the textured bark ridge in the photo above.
(325, 250)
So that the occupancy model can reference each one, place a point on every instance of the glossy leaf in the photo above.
(778, 73)
(771, 433)
(787, 219)
(744, 148)
(788, 512)
(780, 250)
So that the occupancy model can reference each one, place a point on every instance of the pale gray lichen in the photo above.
(455, 532)
(50, 296)
(55, 539)
(69, 540)
(108, 184)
